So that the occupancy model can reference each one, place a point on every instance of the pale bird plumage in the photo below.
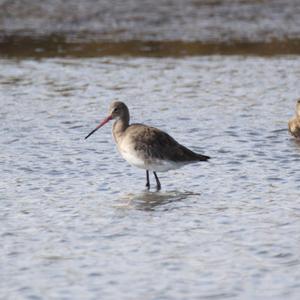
(294, 123)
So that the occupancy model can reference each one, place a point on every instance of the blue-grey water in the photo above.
(189, 20)
(76, 220)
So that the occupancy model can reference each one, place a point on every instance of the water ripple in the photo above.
(75, 215)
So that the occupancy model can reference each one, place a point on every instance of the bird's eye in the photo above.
(115, 110)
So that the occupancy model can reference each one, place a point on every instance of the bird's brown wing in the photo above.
(294, 127)
(157, 144)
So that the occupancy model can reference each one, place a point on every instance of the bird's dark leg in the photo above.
(148, 181)
(158, 186)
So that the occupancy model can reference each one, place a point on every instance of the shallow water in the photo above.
(76, 220)
(93, 28)
(189, 20)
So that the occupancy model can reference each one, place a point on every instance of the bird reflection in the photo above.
(149, 201)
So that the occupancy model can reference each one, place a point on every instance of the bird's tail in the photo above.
(201, 157)
(193, 156)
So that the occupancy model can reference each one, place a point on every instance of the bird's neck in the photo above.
(298, 110)
(119, 128)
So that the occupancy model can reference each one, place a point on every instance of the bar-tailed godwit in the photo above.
(294, 123)
(147, 147)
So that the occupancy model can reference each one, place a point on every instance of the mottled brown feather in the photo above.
(294, 123)
(156, 144)
(294, 127)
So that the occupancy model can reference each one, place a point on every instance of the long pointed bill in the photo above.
(99, 126)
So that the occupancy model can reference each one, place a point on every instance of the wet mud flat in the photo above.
(60, 46)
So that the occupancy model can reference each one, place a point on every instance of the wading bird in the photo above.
(294, 123)
(146, 147)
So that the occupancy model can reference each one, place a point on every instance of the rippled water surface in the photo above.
(76, 220)
(204, 20)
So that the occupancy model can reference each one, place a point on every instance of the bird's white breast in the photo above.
(134, 159)
(130, 155)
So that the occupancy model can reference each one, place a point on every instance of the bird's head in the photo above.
(117, 110)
